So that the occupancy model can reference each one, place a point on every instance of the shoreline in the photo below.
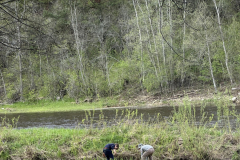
(61, 143)
(195, 97)
(164, 136)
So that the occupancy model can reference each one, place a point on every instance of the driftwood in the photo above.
(235, 89)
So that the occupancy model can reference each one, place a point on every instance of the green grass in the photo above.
(56, 106)
(198, 142)
(69, 104)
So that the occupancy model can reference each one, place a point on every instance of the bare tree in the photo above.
(209, 59)
(79, 43)
(153, 36)
(169, 12)
(151, 56)
(224, 48)
(19, 48)
(140, 40)
(184, 32)
(161, 37)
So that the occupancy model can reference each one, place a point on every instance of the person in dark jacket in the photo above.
(107, 150)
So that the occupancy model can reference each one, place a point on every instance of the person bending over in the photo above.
(146, 151)
(107, 150)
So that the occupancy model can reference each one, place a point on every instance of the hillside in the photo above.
(55, 49)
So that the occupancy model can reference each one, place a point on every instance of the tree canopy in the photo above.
(79, 48)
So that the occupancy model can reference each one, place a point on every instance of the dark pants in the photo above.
(108, 154)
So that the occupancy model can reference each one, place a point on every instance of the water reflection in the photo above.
(73, 119)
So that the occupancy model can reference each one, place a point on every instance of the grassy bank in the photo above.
(196, 97)
(55, 106)
(175, 138)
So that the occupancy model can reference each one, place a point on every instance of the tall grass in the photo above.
(178, 137)
(63, 105)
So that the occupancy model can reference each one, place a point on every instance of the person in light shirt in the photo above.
(146, 151)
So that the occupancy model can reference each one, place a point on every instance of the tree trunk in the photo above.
(162, 40)
(171, 42)
(209, 60)
(154, 40)
(19, 53)
(224, 48)
(32, 86)
(151, 56)
(184, 32)
(160, 27)
(4, 87)
(40, 66)
(78, 42)
(140, 39)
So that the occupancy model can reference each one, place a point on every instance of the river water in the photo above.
(74, 119)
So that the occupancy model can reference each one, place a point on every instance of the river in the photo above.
(74, 119)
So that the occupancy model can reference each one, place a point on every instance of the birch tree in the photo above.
(153, 37)
(161, 37)
(206, 28)
(223, 43)
(19, 52)
(78, 42)
(209, 60)
(140, 40)
(200, 41)
(169, 13)
(184, 32)
(151, 56)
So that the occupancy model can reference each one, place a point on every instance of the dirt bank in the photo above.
(176, 98)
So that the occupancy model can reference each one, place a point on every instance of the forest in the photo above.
(102, 48)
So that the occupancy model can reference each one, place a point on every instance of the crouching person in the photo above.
(107, 150)
(146, 151)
